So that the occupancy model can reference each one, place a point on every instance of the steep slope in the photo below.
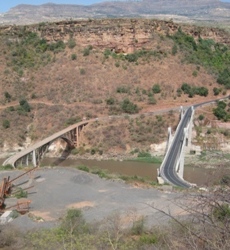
(70, 71)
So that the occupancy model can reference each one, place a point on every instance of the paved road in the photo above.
(168, 168)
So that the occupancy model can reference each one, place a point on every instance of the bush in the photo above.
(87, 50)
(110, 101)
(71, 43)
(138, 227)
(216, 91)
(144, 154)
(156, 88)
(201, 117)
(83, 168)
(6, 167)
(128, 107)
(73, 120)
(148, 239)
(24, 105)
(222, 212)
(82, 71)
(131, 57)
(21, 194)
(6, 124)
(123, 89)
(7, 96)
(174, 50)
(152, 100)
(73, 56)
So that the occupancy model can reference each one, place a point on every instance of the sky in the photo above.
(7, 4)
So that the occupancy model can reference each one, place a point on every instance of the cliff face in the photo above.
(119, 35)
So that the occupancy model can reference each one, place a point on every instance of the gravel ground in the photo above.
(57, 189)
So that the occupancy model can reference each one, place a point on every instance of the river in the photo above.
(200, 176)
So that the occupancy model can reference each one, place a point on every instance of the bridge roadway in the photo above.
(167, 170)
(168, 167)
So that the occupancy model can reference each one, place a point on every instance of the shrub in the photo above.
(131, 57)
(216, 91)
(128, 107)
(107, 53)
(93, 151)
(202, 91)
(87, 50)
(222, 212)
(201, 117)
(194, 73)
(138, 227)
(156, 88)
(73, 56)
(6, 124)
(71, 43)
(174, 49)
(83, 168)
(73, 120)
(117, 64)
(24, 105)
(152, 100)
(21, 194)
(82, 71)
(144, 154)
(148, 239)
(7, 96)
(110, 101)
(123, 89)
(6, 167)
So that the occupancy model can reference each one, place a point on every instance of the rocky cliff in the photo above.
(119, 35)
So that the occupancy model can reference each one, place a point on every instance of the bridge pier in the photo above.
(34, 161)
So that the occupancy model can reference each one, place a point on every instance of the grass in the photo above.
(129, 179)
(7, 167)
(150, 159)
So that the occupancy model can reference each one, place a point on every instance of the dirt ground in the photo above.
(57, 189)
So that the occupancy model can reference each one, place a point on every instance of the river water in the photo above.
(200, 176)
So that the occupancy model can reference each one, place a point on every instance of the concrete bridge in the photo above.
(172, 167)
(34, 154)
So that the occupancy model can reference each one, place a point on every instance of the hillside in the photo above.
(180, 10)
(59, 73)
